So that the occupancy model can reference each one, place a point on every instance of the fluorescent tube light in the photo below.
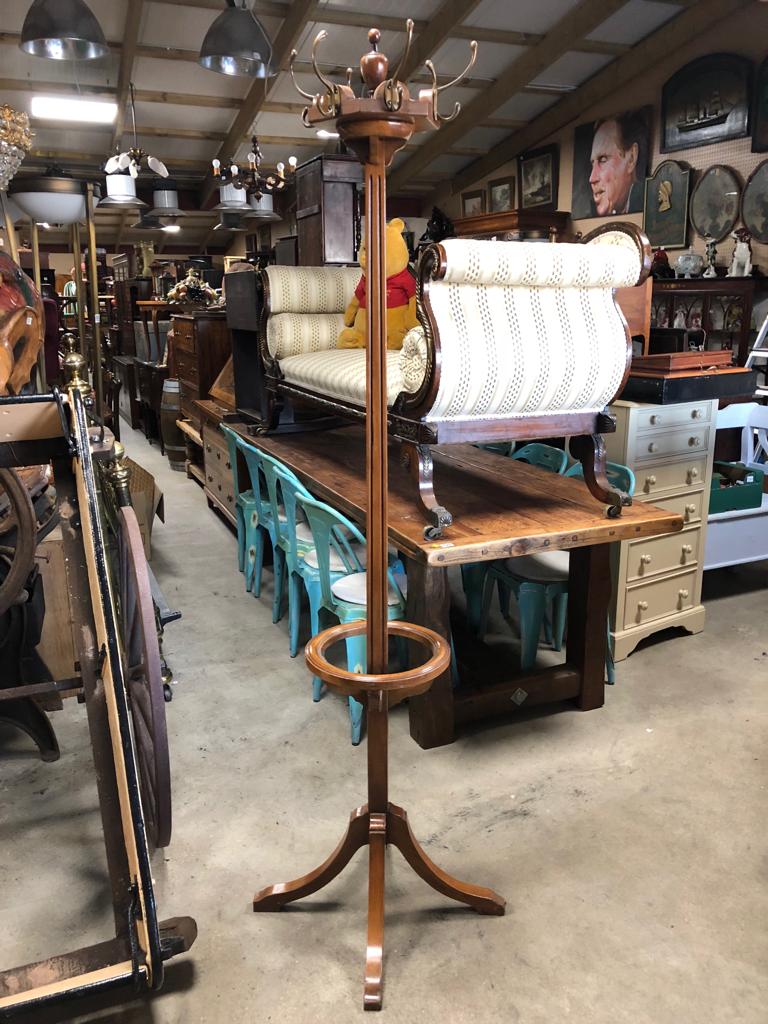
(72, 108)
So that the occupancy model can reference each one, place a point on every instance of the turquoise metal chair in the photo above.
(539, 582)
(245, 502)
(259, 525)
(543, 455)
(339, 560)
(474, 574)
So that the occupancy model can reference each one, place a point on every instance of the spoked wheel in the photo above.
(17, 515)
(144, 680)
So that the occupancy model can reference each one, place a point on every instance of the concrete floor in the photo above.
(629, 841)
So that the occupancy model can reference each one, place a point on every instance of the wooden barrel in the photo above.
(170, 411)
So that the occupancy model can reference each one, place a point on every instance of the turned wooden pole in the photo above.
(376, 406)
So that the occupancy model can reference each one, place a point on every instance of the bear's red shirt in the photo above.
(400, 289)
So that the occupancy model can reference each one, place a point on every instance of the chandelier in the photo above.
(132, 158)
(15, 142)
(251, 179)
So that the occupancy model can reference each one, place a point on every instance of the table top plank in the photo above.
(501, 507)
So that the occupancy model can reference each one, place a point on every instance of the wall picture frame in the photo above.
(665, 205)
(610, 164)
(501, 194)
(706, 101)
(538, 178)
(754, 203)
(759, 123)
(715, 202)
(473, 203)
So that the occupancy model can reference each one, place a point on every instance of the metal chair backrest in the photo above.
(620, 476)
(545, 456)
(252, 457)
(282, 487)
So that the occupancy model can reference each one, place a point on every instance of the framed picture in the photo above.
(706, 101)
(610, 163)
(665, 207)
(715, 202)
(760, 110)
(754, 203)
(537, 173)
(473, 203)
(501, 194)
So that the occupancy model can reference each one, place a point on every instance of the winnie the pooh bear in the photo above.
(401, 295)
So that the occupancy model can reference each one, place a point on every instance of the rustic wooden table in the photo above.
(501, 508)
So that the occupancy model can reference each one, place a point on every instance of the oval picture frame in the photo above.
(716, 202)
(754, 203)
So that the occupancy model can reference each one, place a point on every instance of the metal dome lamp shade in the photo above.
(51, 199)
(237, 44)
(62, 30)
(165, 202)
(121, 192)
(262, 208)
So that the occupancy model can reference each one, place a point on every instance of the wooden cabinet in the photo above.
(657, 580)
(327, 213)
(513, 225)
(201, 347)
(124, 368)
(219, 480)
(127, 293)
(721, 306)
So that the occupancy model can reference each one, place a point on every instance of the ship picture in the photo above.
(705, 114)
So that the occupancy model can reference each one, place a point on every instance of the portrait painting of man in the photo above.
(610, 162)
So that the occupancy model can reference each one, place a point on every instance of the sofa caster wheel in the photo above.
(433, 532)
(613, 511)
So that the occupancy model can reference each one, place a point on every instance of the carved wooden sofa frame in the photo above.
(423, 415)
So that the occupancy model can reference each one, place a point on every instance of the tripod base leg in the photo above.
(374, 953)
(484, 901)
(276, 896)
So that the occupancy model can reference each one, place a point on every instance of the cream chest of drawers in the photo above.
(657, 580)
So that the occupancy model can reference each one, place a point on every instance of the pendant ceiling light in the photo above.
(50, 198)
(62, 30)
(262, 208)
(237, 44)
(121, 193)
(132, 158)
(230, 220)
(165, 202)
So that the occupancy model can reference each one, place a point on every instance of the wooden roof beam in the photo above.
(576, 24)
(694, 21)
(133, 14)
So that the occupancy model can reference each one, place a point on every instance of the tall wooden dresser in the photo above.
(657, 581)
(201, 347)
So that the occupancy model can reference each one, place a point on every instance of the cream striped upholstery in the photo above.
(289, 334)
(529, 329)
(340, 374)
(526, 329)
(311, 289)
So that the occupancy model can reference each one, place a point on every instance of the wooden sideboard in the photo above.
(327, 215)
(657, 580)
(513, 224)
(201, 347)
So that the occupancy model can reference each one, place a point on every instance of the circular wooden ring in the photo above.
(396, 685)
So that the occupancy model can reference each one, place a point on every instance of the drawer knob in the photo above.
(218, 456)
(210, 479)
(694, 441)
(655, 419)
(682, 594)
(696, 414)
(228, 464)
(219, 486)
(687, 549)
(646, 559)
(652, 447)
(650, 481)
(692, 474)
(690, 509)
(642, 606)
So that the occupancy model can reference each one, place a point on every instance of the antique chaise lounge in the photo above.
(516, 340)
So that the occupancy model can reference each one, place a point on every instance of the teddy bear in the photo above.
(401, 295)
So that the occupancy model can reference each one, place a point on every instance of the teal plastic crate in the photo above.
(745, 492)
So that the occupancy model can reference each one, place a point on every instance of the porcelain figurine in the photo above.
(689, 264)
(741, 261)
(660, 268)
(711, 270)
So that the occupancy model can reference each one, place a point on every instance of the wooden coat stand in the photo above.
(375, 126)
